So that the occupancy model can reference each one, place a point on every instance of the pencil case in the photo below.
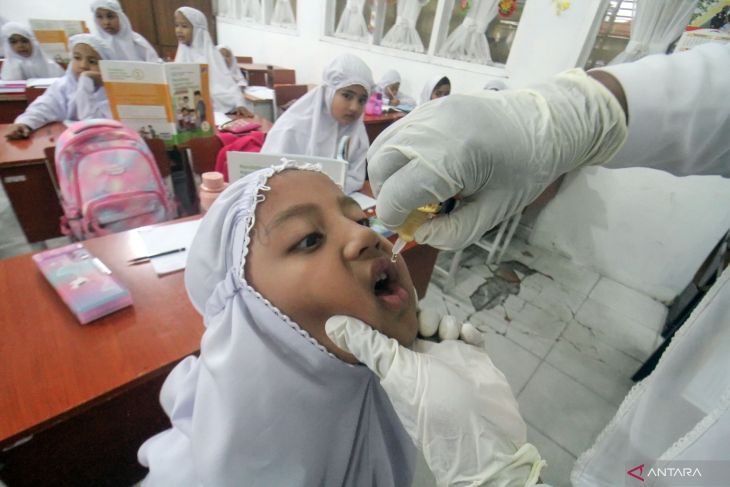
(83, 282)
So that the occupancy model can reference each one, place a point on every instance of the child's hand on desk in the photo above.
(18, 131)
(456, 406)
(241, 111)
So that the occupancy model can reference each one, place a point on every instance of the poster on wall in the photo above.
(710, 22)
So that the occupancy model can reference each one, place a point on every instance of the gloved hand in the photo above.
(454, 403)
(498, 150)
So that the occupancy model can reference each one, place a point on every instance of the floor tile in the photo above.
(565, 411)
(640, 308)
(600, 367)
(534, 329)
(566, 272)
(495, 318)
(516, 363)
(559, 461)
(616, 329)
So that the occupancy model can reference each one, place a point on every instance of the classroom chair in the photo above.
(244, 59)
(203, 152)
(285, 95)
(283, 76)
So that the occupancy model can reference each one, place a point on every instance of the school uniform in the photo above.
(126, 45)
(224, 91)
(16, 67)
(69, 98)
(428, 88)
(390, 77)
(308, 127)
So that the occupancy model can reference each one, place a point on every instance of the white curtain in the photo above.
(656, 25)
(352, 24)
(283, 14)
(680, 413)
(403, 34)
(250, 9)
(468, 41)
(223, 8)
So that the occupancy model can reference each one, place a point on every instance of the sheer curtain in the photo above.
(656, 25)
(250, 9)
(352, 23)
(403, 34)
(468, 41)
(283, 14)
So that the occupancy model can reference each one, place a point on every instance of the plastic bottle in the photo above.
(378, 104)
(370, 105)
(212, 186)
(414, 220)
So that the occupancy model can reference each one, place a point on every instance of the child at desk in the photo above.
(78, 95)
(24, 57)
(113, 26)
(436, 87)
(389, 86)
(316, 123)
(232, 64)
(196, 46)
(271, 400)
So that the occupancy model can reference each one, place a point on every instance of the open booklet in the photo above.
(53, 36)
(168, 101)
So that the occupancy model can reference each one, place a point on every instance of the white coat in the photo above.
(679, 122)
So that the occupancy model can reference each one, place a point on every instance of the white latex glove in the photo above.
(498, 150)
(454, 403)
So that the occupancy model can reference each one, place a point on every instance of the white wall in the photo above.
(22, 10)
(644, 228)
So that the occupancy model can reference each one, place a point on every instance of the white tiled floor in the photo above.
(567, 339)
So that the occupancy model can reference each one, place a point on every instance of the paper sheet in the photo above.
(168, 237)
(260, 92)
(220, 118)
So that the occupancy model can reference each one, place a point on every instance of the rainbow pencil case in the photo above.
(82, 281)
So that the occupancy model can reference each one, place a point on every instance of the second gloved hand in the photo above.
(498, 150)
(454, 403)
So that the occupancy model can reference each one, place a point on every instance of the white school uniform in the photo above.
(224, 90)
(308, 127)
(233, 68)
(17, 67)
(69, 98)
(126, 45)
(428, 88)
(392, 76)
(265, 404)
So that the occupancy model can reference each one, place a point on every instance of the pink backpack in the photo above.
(109, 180)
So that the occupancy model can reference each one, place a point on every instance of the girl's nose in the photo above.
(361, 241)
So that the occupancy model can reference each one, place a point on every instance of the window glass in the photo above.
(368, 13)
(424, 25)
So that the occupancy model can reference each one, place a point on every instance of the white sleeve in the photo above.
(145, 48)
(11, 71)
(54, 70)
(679, 111)
(51, 106)
(91, 102)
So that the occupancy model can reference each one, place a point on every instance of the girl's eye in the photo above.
(310, 242)
(363, 101)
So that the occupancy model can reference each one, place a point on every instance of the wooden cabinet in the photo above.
(155, 20)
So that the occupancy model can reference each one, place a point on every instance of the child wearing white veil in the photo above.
(24, 58)
(196, 46)
(389, 86)
(435, 87)
(232, 64)
(78, 95)
(113, 25)
(271, 401)
(315, 124)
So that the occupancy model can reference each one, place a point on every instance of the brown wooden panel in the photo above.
(244, 59)
(286, 93)
(11, 107)
(142, 22)
(204, 151)
(284, 76)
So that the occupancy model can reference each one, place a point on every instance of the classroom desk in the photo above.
(260, 107)
(28, 184)
(12, 105)
(375, 124)
(78, 401)
(256, 72)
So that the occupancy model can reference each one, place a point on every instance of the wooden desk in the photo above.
(256, 72)
(12, 105)
(260, 107)
(375, 124)
(28, 183)
(79, 400)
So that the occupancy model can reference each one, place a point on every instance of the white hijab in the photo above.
(265, 404)
(233, 68)
(308, 127)
(223, 89)
(16, 67)
(126, 44)
(389, 77)
(429, 87)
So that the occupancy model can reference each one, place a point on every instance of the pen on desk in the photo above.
(145, 258)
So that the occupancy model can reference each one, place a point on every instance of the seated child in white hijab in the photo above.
(78, 95)
(24, 57)
(232, 64)
(389, 86)
(271, 400)
(315, 124)
(436, 87)
(113, 25)
(196, 46)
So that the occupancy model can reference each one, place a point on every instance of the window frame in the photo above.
(264, 23)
